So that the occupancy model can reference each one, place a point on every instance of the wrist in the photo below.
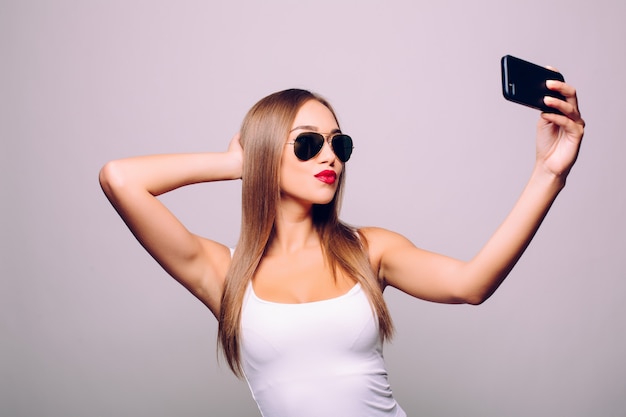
(233, 165)
(548, 179)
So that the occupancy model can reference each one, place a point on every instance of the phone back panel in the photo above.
(525, 83)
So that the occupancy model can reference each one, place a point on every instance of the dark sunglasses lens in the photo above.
(342, 146)
(307, 145)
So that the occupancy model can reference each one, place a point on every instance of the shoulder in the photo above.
(377, 237)
(379, 242)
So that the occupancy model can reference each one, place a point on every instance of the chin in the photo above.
(317, 197)
(324, 201)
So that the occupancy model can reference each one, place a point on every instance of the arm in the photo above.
(442, 279)
(132, 184)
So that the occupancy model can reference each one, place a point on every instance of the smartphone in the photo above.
(525, 83)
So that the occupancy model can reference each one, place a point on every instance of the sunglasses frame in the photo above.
(330, 139)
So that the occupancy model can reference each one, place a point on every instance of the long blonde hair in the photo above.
(263, 134)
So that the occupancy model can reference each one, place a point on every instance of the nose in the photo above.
(327, 154)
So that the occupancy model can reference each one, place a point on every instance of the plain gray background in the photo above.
(91, 326)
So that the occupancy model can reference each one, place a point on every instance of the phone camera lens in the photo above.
(512, 89)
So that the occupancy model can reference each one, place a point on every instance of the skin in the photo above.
(293, 270)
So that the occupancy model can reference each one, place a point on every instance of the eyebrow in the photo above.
(313, 129)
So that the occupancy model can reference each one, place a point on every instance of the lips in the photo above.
(327, 176)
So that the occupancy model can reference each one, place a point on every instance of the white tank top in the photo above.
(317, 359)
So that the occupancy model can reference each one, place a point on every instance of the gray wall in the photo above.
(89, 324)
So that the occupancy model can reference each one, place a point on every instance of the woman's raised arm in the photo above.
(132, 184)
(442, 279)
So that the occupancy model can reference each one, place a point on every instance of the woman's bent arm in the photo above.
(132, 184)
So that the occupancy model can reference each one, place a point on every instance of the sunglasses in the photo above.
(308, 144)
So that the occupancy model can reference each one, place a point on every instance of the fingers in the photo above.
(569, 106)
(570, 121)
(572, 129)
(575, 127)
(561, 87)
(235, 143)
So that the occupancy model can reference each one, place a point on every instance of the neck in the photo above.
(293, 229)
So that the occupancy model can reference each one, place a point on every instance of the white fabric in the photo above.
(317, 359)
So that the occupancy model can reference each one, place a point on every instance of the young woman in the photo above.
(299, 300)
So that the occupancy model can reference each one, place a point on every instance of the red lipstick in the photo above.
(327, 176)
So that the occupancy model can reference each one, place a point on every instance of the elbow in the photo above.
(475, 297)
(111, 178)
(478, 288)
(475, 300)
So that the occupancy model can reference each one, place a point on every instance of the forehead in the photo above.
(315, 116)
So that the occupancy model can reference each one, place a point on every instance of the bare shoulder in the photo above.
(380, 241)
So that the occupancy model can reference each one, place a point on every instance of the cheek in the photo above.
(291, 172)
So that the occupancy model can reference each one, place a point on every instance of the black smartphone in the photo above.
(525, 83)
